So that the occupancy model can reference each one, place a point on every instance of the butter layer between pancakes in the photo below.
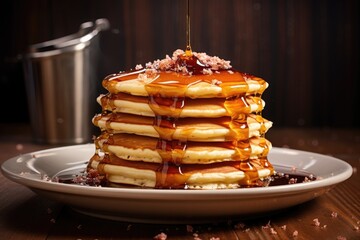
(222, 175)
(139, 148)
(187, 129)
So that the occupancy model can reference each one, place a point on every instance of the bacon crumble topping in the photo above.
(212, 63)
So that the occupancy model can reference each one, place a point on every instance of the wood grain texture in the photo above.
(25, 215)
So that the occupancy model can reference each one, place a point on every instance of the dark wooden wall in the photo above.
(308, 50)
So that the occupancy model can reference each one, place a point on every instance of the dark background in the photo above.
(308, 50)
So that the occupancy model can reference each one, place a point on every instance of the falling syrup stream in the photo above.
(188, 51)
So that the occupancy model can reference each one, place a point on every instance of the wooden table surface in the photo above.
(334, 215)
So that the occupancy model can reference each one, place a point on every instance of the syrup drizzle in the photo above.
(166, 98)
(188, 51)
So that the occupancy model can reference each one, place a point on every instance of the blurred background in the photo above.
(307, 50)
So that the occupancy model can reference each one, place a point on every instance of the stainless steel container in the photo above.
(61, 81)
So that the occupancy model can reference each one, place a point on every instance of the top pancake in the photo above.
(170, 78)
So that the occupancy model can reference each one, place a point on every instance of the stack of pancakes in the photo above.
(188, 121)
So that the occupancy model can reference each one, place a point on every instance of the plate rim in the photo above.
(109, 192)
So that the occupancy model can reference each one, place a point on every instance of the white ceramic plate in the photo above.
(172, 206)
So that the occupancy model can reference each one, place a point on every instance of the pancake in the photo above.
(189, 129)
(139, 148)
(203, 86)
(212, 108)
(190, 176)
(189, 121)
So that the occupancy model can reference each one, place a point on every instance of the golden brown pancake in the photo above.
(188, 176)
(211, 108)
(140, 148)
(189, 129)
